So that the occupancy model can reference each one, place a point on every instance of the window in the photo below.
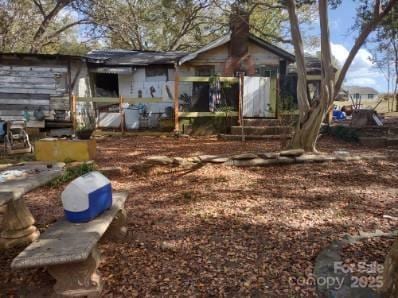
(155, 71)
(204, 71)
(357, 96)
(370, 96)
(266, 71)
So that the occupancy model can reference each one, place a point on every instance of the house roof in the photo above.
(41, 56)
(312, 65)
(226, 38)
(127, 57)
(359, 90)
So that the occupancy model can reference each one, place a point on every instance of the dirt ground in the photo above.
(219, 230)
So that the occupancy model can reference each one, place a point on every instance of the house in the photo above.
(288, 93)
(238, 75)
(358, 93)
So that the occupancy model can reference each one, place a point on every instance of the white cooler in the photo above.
(86, 197)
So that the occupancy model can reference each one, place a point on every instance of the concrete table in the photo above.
(17, 224)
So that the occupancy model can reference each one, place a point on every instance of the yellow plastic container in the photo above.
(51, 149)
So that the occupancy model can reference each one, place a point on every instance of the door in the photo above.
(256, 97)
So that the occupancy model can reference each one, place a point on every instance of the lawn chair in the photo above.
(16, 139)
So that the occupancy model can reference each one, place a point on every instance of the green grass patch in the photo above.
(71, 173)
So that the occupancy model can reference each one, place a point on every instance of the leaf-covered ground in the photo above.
(219, 230)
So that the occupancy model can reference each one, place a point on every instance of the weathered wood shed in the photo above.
(39, 82)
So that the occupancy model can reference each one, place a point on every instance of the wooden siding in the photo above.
(32, 87)
(218, 56)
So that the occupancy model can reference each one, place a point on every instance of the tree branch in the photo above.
(60, 4)
(366, 30)
(302, 95)
(327, 79)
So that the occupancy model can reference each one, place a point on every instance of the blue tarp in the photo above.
(339, 115)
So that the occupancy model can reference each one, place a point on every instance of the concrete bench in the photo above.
(17, 227)
(69, 250)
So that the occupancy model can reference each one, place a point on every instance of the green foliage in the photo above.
(40, 26)
(155, 24)
(72, 173)
(49, 26)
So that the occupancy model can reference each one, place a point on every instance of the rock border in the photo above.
(325, 264)
(249, 159)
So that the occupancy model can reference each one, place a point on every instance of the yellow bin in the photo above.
(51, 149)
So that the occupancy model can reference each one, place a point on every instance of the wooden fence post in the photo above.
(121, 114)
(73, 112)
(176, 102)
(241, 120)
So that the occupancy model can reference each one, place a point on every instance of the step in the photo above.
(392, 141)
(373, 141)
(238, 137)
(261, 130)
(393, 131)
(261, 122)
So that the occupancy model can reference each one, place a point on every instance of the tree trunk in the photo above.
(313, 113)
(306, 134)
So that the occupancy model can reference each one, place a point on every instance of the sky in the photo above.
(362, 72)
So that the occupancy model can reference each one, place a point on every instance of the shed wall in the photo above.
(28, 85)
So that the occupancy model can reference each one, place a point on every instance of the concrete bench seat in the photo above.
(69, 250)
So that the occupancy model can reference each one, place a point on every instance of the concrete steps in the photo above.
(238, 137)
(261, 122)
(379, 141)
(261, 130)
(392, 141)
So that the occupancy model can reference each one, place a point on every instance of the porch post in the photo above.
(176, 94)
(278, 94)
(240, 112)
(121, 114)
(73, 112)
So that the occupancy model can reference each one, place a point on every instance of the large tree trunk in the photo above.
(306, 134)
(308, 130)
(313, 113)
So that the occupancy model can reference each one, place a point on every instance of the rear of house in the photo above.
(238, 76)
(358, 93)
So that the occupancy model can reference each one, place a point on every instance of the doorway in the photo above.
(106, 85)
(256, 98)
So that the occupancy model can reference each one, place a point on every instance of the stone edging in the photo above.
(262, 159)
(325, 268)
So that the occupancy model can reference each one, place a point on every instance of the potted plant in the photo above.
(85, 124)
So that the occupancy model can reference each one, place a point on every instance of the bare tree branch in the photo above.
(302, 95)
(366, 30)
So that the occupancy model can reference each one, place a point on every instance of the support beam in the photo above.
(78, 279)
(73, 112)
(176, 101)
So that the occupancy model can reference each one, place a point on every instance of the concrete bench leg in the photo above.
(78, 279)
(118, 228)
(17, 225)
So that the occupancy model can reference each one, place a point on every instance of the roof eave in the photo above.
(272, 48)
